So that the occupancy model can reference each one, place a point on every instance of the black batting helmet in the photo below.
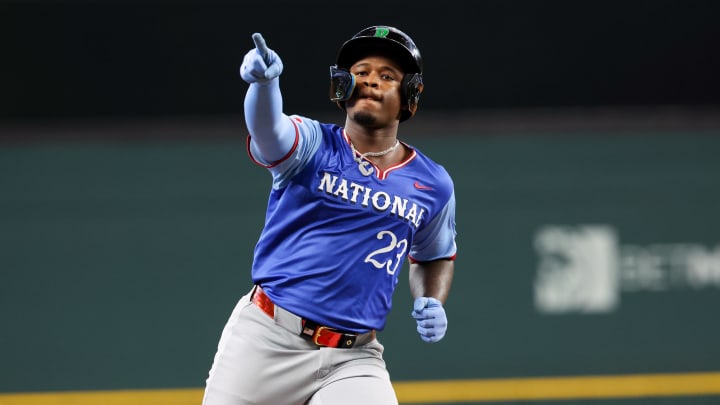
(388, 41)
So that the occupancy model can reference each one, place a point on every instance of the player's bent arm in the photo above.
(431, 278)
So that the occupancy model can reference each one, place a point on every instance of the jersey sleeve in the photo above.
(308, 136)
(437, 239)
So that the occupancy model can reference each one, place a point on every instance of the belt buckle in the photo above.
(315, 333)
(318, 333)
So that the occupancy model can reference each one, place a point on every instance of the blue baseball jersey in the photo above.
(335, 239)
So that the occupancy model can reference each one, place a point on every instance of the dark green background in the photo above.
(121, 260)
(77, 58)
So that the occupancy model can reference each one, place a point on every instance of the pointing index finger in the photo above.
(261, 46)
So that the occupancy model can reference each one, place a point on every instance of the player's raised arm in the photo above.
(272, 133)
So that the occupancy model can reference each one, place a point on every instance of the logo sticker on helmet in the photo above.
(382, 32)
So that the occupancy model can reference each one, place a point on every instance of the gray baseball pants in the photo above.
(265, 361)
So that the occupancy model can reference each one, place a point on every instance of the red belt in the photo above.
(318, 334)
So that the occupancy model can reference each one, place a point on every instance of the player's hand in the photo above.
(430, 317)
(261, 64)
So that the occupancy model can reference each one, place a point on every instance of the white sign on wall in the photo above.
(584, 268)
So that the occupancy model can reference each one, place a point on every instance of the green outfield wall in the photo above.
(579, 255)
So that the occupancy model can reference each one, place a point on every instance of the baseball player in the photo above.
(348, 205)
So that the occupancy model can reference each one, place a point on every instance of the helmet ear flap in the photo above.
(342, 84)
(411, 86)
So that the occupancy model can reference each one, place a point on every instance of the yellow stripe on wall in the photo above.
(438, 392)
(547, 388)
(188, 396)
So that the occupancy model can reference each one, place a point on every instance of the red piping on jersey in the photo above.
(383, 174)
(277, 162)
(413, 260)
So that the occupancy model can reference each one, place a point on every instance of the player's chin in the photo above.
(365, 118)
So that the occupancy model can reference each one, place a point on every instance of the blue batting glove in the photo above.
(260, 64)
(431, 319)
